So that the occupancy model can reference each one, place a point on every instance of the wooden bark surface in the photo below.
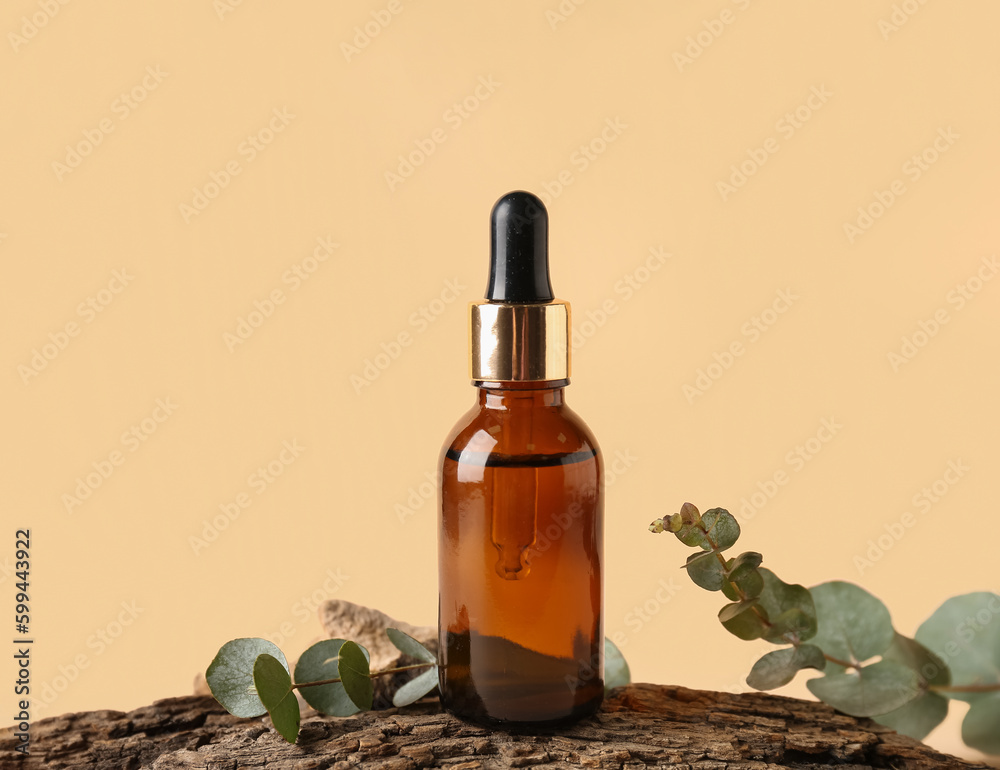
(640, 726)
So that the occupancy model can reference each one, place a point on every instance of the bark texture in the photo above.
(640, 726)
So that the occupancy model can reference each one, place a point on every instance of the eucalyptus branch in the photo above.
(842, 624)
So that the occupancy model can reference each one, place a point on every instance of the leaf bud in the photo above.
(689, 514)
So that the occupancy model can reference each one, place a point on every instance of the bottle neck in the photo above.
(521, 395)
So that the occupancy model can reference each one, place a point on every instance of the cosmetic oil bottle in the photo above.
(520, 539)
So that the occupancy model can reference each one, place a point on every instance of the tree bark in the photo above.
(642, 725)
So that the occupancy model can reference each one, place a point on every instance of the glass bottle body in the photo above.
(520, 546)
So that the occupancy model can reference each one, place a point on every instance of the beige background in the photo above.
(682, 93)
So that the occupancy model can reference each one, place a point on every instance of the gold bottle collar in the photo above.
(519, 342)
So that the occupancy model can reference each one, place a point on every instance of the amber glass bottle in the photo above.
(521, 529)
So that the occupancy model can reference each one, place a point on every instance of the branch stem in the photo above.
(373, 674)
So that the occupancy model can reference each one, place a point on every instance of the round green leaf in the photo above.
(789, 608)
(616, 671)
(981, 726)
(416, 688)
(743, 565)
(852, 624)
(740, 620)
(744, 575)
(876, 689)
(705, 570)
(320, 662)
(722, 527)
(965, 633)
(274, 686)
(778, 668)
(918, 717)
(230, 675)
(929, 667)
(407, 645)
(355, 674)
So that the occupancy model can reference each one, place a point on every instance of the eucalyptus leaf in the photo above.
(616, 671)
(407, 645)
(230, 675)
(876, 689)
(274, 686)
(981, 726)
(740, 619)
(743, 565)
(853, 625)
(416, 688)
(355, 674)
(910, 652)
(965, 633)
(778, 668)
(789, 608)
(743, 576)
(722, 527)
(705, 570)
(316, 664)
(793, 623)
(918, 717)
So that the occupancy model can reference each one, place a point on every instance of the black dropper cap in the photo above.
(519, 250)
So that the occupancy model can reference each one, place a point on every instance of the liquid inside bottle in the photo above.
(520, 567)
